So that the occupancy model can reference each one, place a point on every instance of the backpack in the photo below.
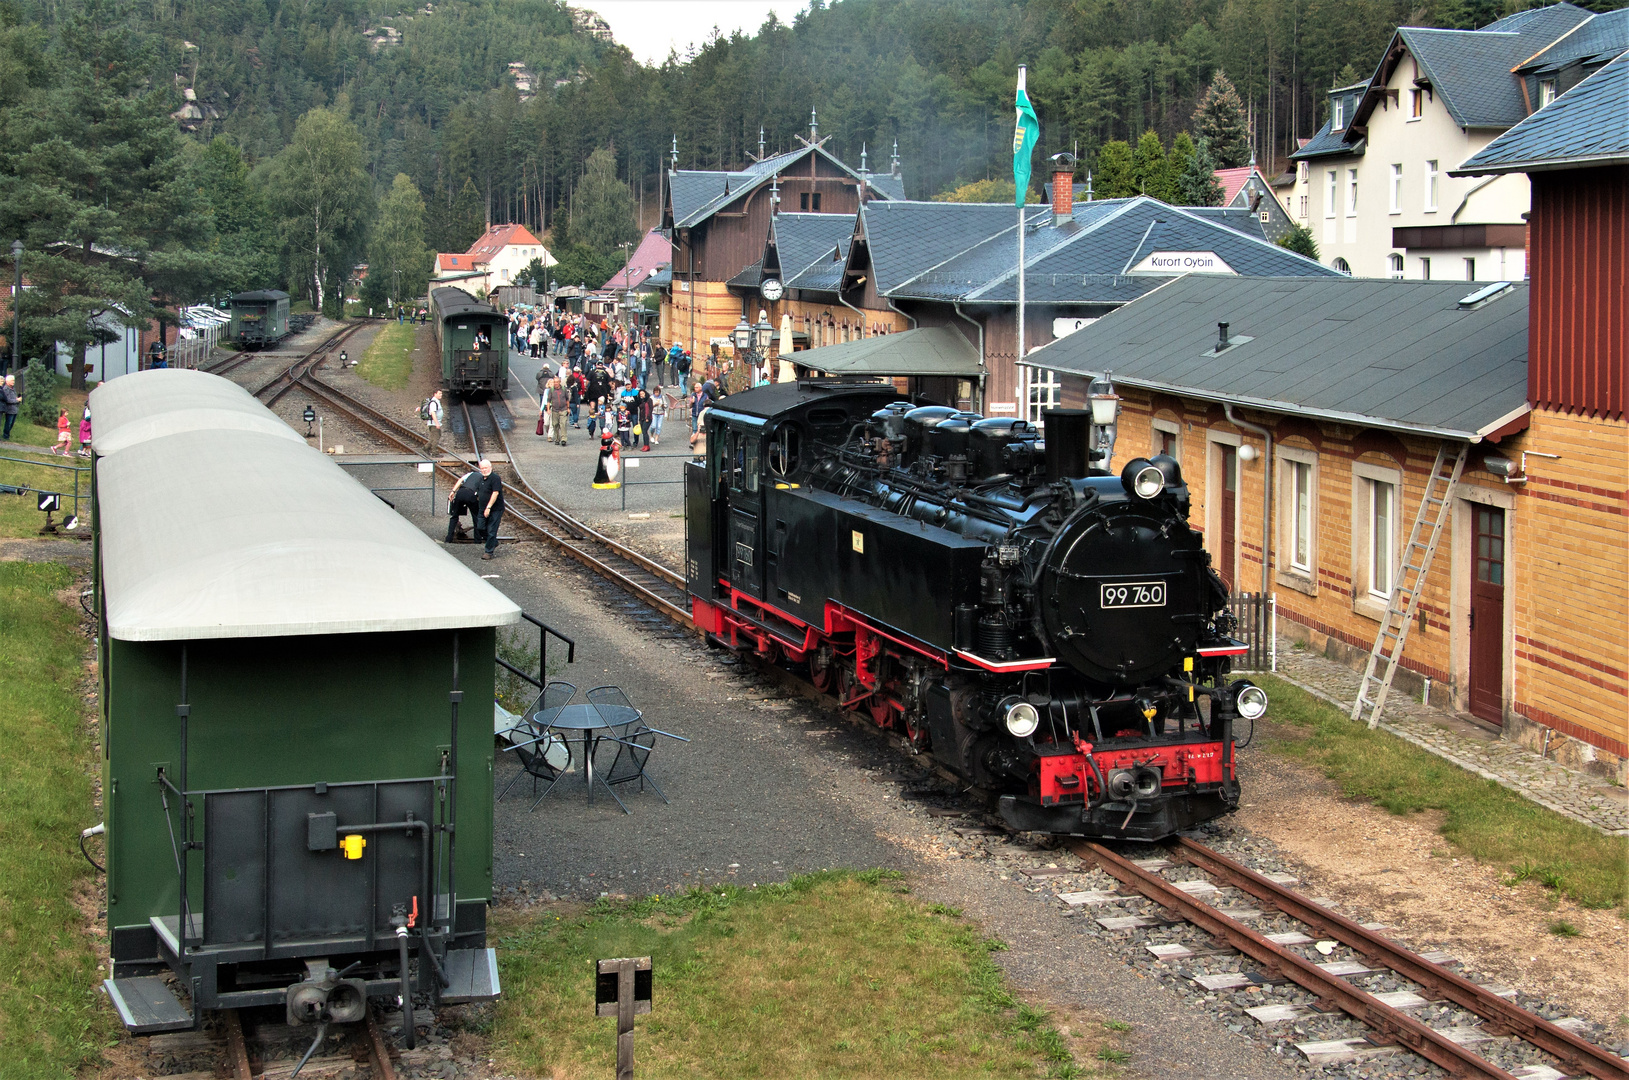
(424, 410)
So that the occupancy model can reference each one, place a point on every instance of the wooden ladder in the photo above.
(1405, 593)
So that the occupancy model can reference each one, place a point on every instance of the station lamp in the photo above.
(741, 336)
(1104, 401)
(762, 332)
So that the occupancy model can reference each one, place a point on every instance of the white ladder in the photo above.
(1405, 593)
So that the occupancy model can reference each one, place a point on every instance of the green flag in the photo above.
(1024, 136)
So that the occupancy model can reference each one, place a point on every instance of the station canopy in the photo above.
(212, 526)
(928, 350)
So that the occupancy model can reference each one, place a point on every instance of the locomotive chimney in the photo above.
(1221, 336)
(1063, 188)
(1068, 443)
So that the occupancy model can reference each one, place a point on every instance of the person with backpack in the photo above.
(430, 412)
(575, 386)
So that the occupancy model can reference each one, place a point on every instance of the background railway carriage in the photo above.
(458, 321)
(259, 318)
(282, 659)
(1054, 633)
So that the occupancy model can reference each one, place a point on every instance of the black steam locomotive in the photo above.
(1053, 632)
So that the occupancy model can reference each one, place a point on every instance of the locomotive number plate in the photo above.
(1129, 594)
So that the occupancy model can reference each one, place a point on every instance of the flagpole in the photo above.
(1023, 70)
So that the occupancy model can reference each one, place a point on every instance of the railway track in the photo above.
(661, 587)
(271, 391)
(1386, 1014)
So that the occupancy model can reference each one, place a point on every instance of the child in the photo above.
(85, 434)
(624, 427)
(63, 439)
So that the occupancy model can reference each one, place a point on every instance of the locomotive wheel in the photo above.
(820, 676)
(881, 711)
(845, 688)
(916, 731)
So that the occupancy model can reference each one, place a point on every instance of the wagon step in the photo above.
(473, 975)
(148, 1005)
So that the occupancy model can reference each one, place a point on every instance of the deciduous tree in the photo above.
(319, 192)
(398, 260)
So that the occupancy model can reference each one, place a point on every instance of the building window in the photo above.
(1331, 193)
(1394, 263)
(1303, 208)
(1397, 189)
(1425, 269)
(1382, 536)
(1546, 92)
(1470, 269)
(1301, 172)
(1416, 103)
(1339, 116)
(1351, 193)
(1041, 388)
(1167, 438)
(1299, 491)
(803, 202)
(1431, 186)
(814, 202)
(1343, 266)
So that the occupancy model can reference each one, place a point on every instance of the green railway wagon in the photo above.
(297, 727)
(473, 338)
(259, 318)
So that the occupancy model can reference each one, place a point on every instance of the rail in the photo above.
(1391, 1023)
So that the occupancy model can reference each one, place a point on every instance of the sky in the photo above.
(650, 28)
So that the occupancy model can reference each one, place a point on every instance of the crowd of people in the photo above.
(616, 382)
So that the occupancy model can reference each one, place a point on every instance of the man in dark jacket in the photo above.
(461, 501)
(489, 507)
(9, 400)
(599, 383)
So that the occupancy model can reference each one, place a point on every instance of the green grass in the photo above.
(51, 1018)
(1486, 821)
(388, 361)
(834, 974)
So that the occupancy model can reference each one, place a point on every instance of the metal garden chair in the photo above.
(634, 745)
(542, 755)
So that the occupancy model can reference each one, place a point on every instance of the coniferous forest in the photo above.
(273, 136)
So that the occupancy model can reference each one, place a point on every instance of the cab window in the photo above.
(751, 463)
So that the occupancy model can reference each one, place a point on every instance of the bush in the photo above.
(39, 395)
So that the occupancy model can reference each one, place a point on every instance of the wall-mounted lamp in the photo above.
(1247, 452)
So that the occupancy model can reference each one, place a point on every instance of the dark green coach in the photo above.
(296, 689)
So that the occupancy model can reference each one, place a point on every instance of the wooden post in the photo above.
(625, 1015)
(620, 991)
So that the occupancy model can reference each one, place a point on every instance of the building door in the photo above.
(1228, 555)
(1488, 613)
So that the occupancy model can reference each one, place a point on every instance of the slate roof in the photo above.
(802, 240)
(1402, 355)
(928, 350)
(1588, 125)
(1086, 261)
(1325, 141)
(906, 239)
(1234, 217)
(824, 274)
(698, 194)
(654, 251)
(1598, 40)
(890, 185)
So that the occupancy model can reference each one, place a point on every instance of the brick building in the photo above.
(1328, 405)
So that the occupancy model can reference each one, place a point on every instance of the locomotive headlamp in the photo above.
(1250, 700)
(1022, 719)
(1143, 478)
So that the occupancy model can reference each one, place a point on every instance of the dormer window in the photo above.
(1338, 119)
(1546, 92)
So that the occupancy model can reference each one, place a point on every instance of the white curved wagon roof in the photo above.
(218, 528)
(165, 401)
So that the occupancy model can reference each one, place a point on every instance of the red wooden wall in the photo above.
(1578, 329)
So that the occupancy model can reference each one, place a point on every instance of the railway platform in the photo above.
(1567, 791)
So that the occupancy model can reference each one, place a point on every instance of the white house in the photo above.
(1373, 184)
(495, 259)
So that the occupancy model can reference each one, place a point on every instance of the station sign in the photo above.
(1065, 327)
(1182, 262)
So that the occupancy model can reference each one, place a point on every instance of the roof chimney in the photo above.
(1221, 336)
(1063, 188)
